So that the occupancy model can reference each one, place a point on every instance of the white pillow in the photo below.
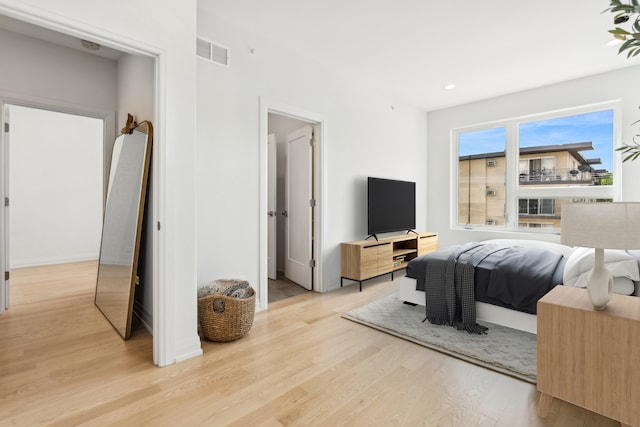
(636, 254)
(620, 264)
(623, 286)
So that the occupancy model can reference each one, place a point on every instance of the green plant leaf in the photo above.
(624, 46)
(631, 46)
(620, 31)
(631, 152)
(631, 157)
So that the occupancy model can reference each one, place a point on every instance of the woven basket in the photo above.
(224, 318)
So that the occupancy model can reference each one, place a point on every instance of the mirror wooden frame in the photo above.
(122, 225)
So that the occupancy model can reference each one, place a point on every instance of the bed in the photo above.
(510, 275)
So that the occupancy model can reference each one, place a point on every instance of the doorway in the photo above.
(53, 172)
(299, 136)
(136, 91)
(290, 238)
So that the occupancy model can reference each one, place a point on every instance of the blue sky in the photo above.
(596, 127)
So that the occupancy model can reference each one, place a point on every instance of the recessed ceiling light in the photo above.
(450, 86)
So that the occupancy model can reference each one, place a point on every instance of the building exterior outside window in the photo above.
(482, 183)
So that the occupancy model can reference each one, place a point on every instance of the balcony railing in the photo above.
(557, 176)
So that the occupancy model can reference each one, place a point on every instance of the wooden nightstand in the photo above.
(587, 357)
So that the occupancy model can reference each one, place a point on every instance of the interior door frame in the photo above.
(320, 126)
(5, 284)
(164, 347)
(108, 134)
(272, 206)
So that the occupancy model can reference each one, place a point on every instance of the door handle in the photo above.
(271, 213)
(285, 213)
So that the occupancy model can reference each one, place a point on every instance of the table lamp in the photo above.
(601, 226)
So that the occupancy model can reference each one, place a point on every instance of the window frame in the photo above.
(514, 191)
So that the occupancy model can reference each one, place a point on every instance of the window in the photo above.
(571, 150)
(517, 173)
(481, 167)
(536, 206)
(538, 225)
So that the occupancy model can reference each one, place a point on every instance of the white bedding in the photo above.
(622, 265)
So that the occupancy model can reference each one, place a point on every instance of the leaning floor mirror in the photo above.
(122, 225)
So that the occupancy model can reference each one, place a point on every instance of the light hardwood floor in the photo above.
(283, 288)
(62, 364)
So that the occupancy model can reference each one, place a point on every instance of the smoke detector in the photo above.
(90, 45)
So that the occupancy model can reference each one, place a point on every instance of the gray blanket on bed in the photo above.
(518, 278)
(451, 301)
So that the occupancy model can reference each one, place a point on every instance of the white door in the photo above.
(298, 213)
(271, 207)
(5, 284)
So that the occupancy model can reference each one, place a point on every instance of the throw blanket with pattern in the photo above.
(452, 301)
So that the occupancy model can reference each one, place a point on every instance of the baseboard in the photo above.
(188, 348)
(38, 262)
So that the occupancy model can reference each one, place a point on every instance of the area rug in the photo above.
(502, 349)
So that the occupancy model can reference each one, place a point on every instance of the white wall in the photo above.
(136, 83)
(621, 84)
(35, 68)
(364, 136)
(55, 187)
(168, 31)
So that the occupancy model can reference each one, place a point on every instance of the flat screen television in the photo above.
(391, 205)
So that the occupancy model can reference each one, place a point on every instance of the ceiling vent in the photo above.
(213, 52)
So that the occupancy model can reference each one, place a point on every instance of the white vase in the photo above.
(600, 284)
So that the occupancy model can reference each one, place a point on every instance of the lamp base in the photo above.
(600, 284)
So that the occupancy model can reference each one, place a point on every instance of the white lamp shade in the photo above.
(601, 225)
